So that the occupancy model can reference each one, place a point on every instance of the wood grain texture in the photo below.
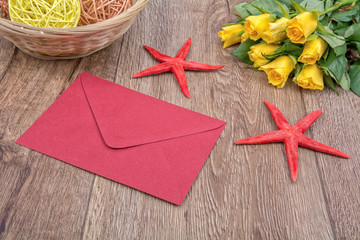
(242, 192)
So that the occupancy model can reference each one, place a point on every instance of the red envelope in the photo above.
(131, 138)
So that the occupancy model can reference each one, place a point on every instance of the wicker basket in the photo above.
(68, 43)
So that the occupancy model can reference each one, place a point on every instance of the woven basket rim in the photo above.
(128, 13)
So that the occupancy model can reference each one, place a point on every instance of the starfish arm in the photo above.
(157, 55)
(305, 123)
(181, 78)
(159, 68)
(307, 142)
(200, 66)
(269, 137)
(292, 155)
(184, 50)
(278, 117)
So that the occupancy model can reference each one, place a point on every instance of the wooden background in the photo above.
(242, 192)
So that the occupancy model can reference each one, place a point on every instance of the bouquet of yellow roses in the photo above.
(314, 42)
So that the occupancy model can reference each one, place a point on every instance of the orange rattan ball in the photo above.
(4, 5)
(94, 11)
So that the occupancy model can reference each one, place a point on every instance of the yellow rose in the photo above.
(279, 70)
(256, 25)
(230, 34)
(313, 51)
(300, 27)
(244, 37)
(276, 32)
(256, 53)
(311, 77)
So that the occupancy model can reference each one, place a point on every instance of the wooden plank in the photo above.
(339, 126)
(6, 55)
(242, 191)
(41, 198)
(63, 190)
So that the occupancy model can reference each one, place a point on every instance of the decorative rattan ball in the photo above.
(45, 13)
(4, 5)
(93, 11)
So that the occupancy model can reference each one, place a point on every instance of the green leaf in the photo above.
(270, 6)
(333, 41)
(246, 9)
(243, 12)
(354, 74)
(260, 9)
(242, 51)
(357, 8)
(294, 59)
(298, 8)
(325, 22)
(345, 81)
(311, 5)
(329, 3)
(340, 4)
(231, 24)
(330, 83)
(240, 19)
(358, 46)
(312, 37)
(240, 33)
(341, 31)
(287, 3)
(326, 53)
(349, 31)
(345, 16)
(316, 14)
(327, 34)
(334, 65)
(342, 25)
(340, 28)
(341, 50)
(298, 68)
(283, 10)
(287, 48)
(353, 33)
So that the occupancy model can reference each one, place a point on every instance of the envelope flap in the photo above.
(128, 118)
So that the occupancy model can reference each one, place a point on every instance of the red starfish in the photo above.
(177, 65)
(292, 136)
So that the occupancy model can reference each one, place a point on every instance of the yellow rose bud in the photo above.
(244, 37)
(276, 32)
(279, 70)
(256, 53)
(311, 77)
(313, 51)
(230, 34)
(256, 25)
(301, 27)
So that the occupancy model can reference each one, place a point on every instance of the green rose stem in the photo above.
(333, 8)
(337, 7)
